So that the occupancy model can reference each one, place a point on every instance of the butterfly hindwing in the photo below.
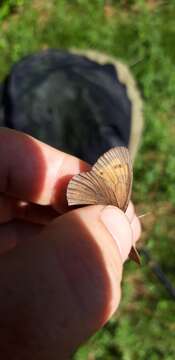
(87, 189)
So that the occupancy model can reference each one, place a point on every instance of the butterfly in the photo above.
(109, 182)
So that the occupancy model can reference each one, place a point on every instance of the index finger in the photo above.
(33, 171)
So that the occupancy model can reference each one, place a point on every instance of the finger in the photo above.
(16, 232)
(130, 212)
(6, 208)
(35, 213)
(11, 208)
(67, 279)
(33, 171)
(134, 221)
(136, 228)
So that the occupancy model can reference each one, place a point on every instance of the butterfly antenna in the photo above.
(145, 214)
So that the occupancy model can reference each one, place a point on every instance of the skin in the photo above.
(60, 270)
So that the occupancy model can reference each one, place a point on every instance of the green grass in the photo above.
(143, 38)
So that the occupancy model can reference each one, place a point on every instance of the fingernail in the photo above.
(118, 226)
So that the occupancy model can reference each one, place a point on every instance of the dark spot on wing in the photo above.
(117, 166)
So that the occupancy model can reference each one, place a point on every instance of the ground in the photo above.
(141, 34)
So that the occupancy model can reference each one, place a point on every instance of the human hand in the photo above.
(60, 270)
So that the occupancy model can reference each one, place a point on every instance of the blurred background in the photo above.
(141, 34)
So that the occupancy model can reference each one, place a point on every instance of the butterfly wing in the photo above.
(108, 183)
(88, 189)
(116, 170)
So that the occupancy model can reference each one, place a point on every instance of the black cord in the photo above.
(156, 268)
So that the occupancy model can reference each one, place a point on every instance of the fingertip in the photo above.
(136, 228)
(119, 228)
(130, 211)
(34, 171)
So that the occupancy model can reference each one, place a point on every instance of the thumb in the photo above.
(68, 281)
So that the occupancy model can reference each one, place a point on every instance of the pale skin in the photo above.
(60, 270)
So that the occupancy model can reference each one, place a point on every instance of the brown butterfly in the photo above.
(109, 182)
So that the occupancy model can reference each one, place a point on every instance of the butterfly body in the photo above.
(109, 182)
